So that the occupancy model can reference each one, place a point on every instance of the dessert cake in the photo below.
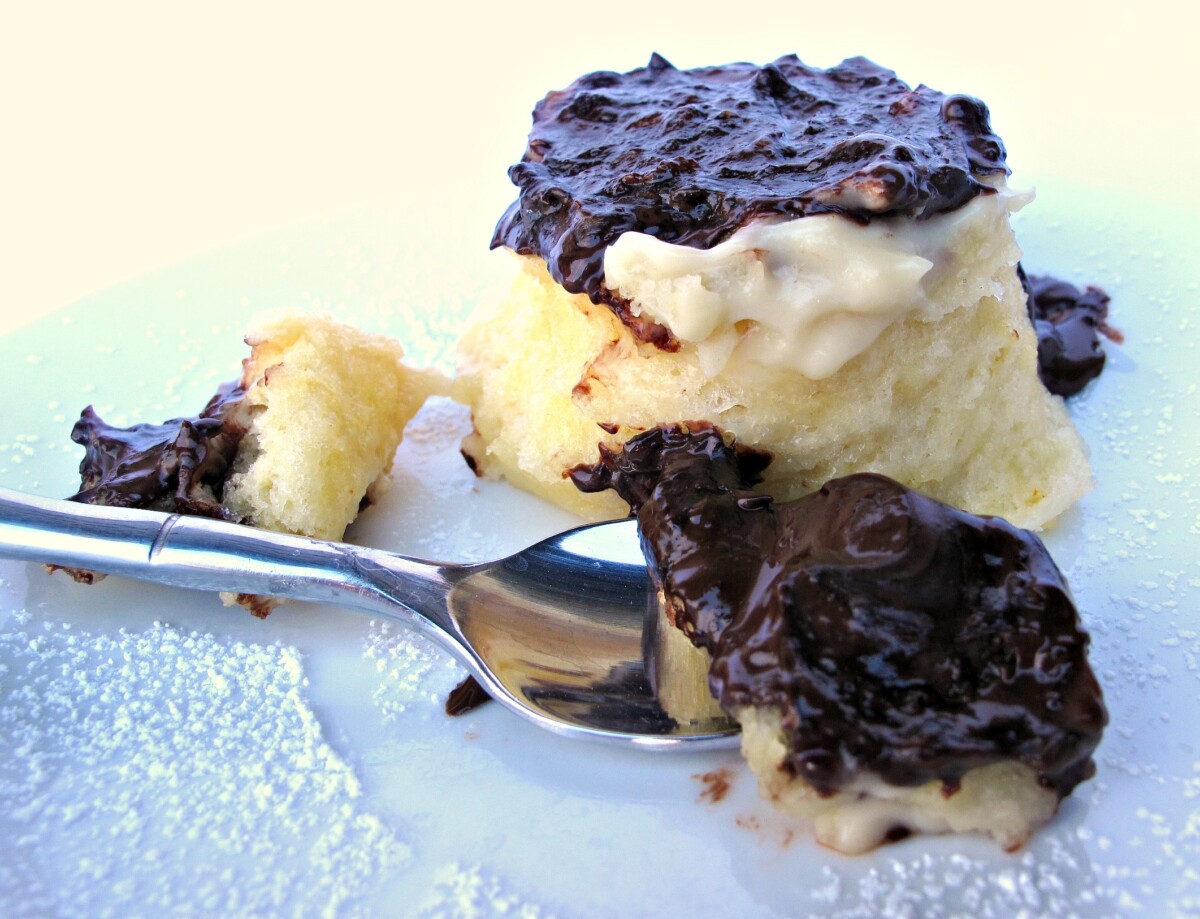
(819, 261)
(324, 409)
(298, 444)
(896, 665)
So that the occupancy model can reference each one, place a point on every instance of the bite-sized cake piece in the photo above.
(324, 409)
(897, 665)
(297, 444)
(818, 260)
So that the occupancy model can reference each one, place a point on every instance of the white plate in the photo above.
(161, 754)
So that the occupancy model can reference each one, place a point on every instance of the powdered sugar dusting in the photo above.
(179, 773)
(412, 670)
(469, 892)
(1056, 881)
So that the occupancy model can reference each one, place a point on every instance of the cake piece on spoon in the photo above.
(897, 666)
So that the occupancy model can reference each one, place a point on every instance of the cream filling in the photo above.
(808, 294)
(1003, 800)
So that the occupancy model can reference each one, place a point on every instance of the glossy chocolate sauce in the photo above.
(690, 156)
(178, 466)
(1069, 323)
(894, 634)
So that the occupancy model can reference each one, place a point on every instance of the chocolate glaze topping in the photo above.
(178, 466)
(1069, 323)
(894, 634)
(690, 156)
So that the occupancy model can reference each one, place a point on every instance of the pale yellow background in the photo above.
(135, 135)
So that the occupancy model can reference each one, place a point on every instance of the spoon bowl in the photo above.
(565, 633)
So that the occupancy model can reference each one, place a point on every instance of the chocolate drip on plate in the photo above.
(1069, 323)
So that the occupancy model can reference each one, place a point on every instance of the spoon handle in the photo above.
(204, 554)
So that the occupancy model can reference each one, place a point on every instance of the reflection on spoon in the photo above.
(563, 633)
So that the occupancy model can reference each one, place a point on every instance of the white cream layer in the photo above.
(807, 294)
(1003, 800)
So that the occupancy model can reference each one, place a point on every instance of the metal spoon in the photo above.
(562, 633)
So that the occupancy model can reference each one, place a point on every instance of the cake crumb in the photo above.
(716, 784)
